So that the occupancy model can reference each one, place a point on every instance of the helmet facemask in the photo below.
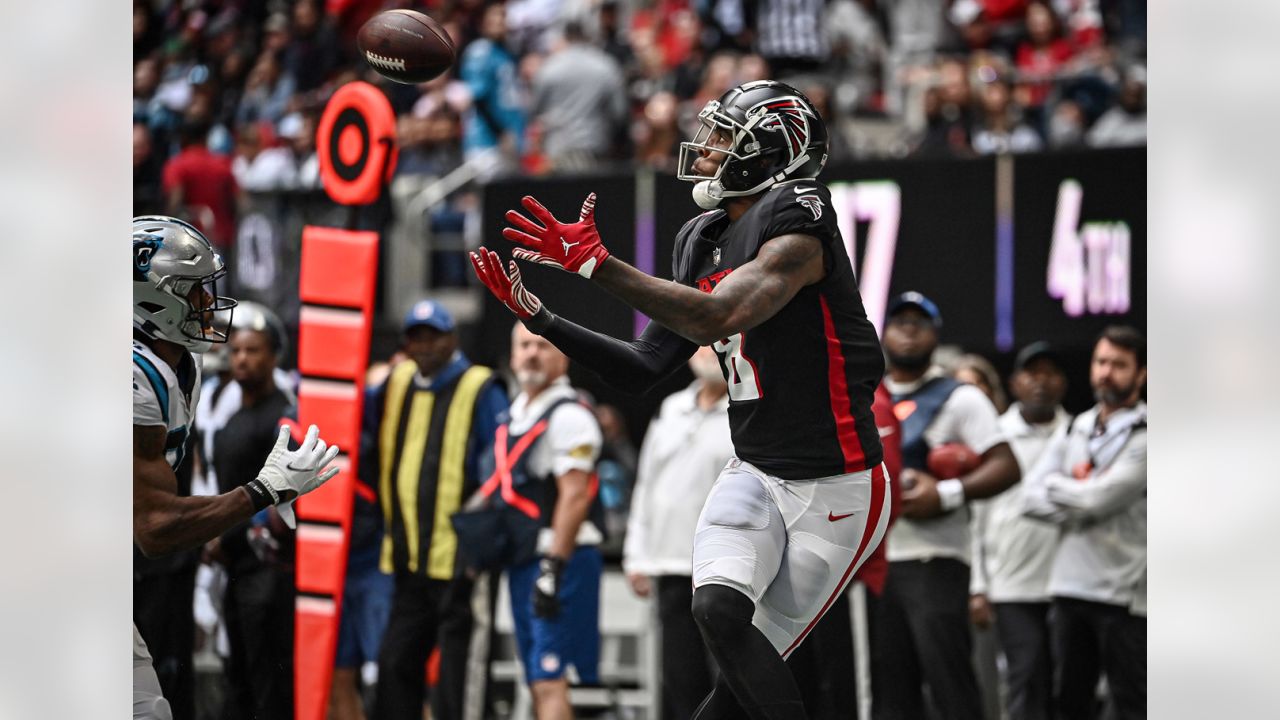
(752, 162)
(175, 289)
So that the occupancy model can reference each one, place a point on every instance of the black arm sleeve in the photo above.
(633, 366)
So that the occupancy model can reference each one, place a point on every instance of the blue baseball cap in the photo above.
(914, 299)
(428, 313)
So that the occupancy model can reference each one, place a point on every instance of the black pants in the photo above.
(1023, 629)
(920, 639)
(1090, 638)
(686, 664)
(259, 610)
(823, 666)
(424, 612)
(162, 612)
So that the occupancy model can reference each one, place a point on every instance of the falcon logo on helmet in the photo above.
(789, 116)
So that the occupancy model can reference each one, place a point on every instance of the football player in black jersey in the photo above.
(763, 277)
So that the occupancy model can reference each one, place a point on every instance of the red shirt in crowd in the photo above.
(206, 182)
(1038, 65)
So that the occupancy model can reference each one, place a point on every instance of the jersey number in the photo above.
(740, 370)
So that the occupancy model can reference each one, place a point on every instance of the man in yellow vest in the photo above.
(438, 417)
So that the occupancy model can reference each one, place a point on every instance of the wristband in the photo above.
(950, 494)
(260, 494)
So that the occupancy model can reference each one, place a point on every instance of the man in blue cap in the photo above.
(920, 623)
(430, 424)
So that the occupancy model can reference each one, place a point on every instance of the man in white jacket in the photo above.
(1092, 483)
(1013, 554)
(685, 449)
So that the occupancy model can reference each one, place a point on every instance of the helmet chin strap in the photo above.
(708, 194)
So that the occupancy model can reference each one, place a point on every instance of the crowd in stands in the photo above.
(569, 85)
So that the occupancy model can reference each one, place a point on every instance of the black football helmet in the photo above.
(774, 134)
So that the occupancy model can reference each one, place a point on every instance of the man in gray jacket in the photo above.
(579, 103)
(1092, 483)
(1012, 554)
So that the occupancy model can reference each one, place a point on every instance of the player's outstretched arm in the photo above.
(633, 366)
(750, 295)
(164, 522)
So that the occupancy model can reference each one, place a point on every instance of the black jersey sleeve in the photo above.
(800, 207)
(633, 366)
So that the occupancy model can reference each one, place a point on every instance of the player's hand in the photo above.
(573, 247)
(980, 612)
(506, 285)
(546, 589)
(288, 474)
(920, 497)
(640, 584)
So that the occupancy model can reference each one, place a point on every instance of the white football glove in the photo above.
(288, 474)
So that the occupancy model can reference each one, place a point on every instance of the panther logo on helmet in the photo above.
(145, 246)
(788, 115)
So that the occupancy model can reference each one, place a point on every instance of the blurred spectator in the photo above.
(1091, 482)
(684, 450)
(947, 113)
(1066, 125)
(147, 166)
(657, 134)
(367, 591)
(555, 593)
(258, 554)
(978, 371)
(267, 91)
(199, 185)
(1012, 555)
(752, 67)
(1126, 123)
(496, 116)
(580, 102)
(729, 24)
(260, 163)
(1083, 20)
(430, 134)
(298, 130)
(616, 472)
(1000, 128)
(613, 39)
(313, 51)
(791, 36)
(437, 414)
(858, 50)
(147, 33)
(718, 77)
(1040, 58)
(922, 638)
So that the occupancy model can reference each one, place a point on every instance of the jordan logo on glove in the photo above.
(583, 251)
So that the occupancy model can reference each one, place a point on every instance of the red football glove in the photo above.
(506, 286)
(574, 247)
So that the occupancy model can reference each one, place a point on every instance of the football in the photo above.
(406, 46)
(951, 461)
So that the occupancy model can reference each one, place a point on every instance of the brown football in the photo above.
(406, 46)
